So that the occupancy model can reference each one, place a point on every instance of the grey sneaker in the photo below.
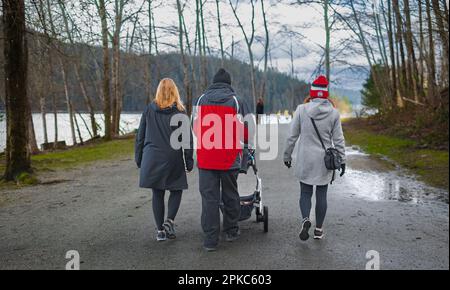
(161, 236)
(304, 233)
(169, 227)
(318, 234)
(231, 237)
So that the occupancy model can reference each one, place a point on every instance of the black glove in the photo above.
(342, 169)
(189, 166)
(288, 164)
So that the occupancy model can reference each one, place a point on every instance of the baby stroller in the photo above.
(254, 201)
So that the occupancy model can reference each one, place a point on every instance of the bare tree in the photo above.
(106, 68)
(186, 80)
(249, 39)
(219, 26)
(87, 98)
(266, 50)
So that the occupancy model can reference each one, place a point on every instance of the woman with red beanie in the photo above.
(310, 166)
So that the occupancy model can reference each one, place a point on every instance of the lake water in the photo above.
(129, 122)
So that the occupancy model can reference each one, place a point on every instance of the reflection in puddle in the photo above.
(368, 182)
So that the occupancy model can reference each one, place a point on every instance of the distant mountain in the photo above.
(353, 95)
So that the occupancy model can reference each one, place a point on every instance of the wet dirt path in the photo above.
(100, 212)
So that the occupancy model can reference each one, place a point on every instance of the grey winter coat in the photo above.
(161, 166)
(310, 166)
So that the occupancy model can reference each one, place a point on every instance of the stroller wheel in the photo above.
(266, 219)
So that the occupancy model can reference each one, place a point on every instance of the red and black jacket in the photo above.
(222, 128)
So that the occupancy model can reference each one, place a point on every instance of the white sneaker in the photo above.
(161, 236)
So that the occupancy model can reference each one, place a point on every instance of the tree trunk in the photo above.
(431, 59)
(183, 60)
(148, 71)
(76, 125)
(68, 99)
(327, 40)
(87, 100)
(266, 51)
(55, 119)
(16, 100)
(219, 25)
(421, 46)
(443, 33)
(115, 86)
(403, 79)
(32, 144)
(44, 120)
(106, 70)
(394, 80)
(414, 72)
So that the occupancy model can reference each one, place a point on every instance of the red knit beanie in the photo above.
(319, 88)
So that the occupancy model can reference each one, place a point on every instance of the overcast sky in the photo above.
(306, 23)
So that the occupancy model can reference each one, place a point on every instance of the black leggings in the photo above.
(159, 207)
(321, 202)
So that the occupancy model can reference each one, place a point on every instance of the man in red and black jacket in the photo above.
(221, 124)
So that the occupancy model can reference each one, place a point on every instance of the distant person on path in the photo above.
(259, 110)
(162, 167)
(218, 164)
(310, 166)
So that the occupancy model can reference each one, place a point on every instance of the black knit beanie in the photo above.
(222, 76)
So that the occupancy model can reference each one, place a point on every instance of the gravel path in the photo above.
(100, 212)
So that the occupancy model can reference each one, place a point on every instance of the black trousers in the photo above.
(218, 186)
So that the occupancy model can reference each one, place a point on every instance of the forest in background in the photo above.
(137, 87)
(99, 49)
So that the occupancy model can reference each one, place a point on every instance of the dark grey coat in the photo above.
(161, 166)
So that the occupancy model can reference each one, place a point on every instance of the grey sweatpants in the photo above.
(214, 185)
(321, 202)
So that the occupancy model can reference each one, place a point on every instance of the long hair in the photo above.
(168, 94)
(309, 99)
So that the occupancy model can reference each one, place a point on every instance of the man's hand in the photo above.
(342, 169)
(288, 164)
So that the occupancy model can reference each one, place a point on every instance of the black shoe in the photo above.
(231, 237)
(304, 233)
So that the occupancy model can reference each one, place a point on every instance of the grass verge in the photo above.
(73, 158)
(430, 165)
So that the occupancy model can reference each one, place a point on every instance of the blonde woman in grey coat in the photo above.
(310, 166)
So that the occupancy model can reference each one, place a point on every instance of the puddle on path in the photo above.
(375, 179)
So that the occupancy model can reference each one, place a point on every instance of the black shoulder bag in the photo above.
(332, 157)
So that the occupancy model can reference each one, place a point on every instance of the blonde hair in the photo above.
(309, 99)
(168, 94)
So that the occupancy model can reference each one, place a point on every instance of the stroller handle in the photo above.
(252, 162)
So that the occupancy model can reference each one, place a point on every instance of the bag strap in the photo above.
(318, 134)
